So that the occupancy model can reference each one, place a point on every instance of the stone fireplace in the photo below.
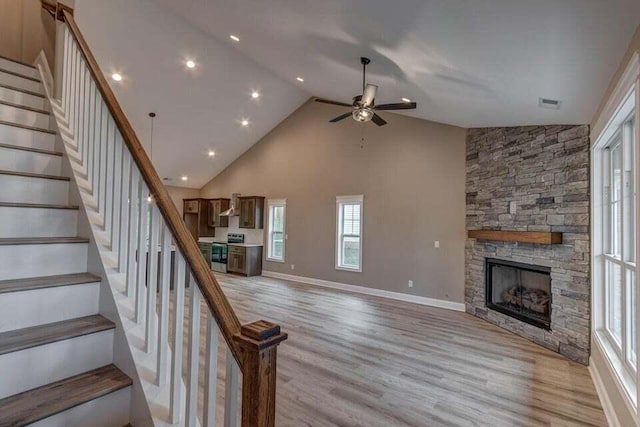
(531, 179)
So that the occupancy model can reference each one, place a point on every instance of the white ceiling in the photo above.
(197, 110)
(466, 62)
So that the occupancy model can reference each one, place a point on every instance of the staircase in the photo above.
(56, 350)
(99, 274)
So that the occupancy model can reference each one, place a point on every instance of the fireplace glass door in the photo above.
(519, 290)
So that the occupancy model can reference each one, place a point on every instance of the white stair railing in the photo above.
(158, 259)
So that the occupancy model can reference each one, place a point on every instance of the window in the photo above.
(276, 237)
(618, 231)
(349, 233)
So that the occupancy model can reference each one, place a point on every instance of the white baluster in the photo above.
(74, 82)
(91, 117)
(65, 70)
(97, 125)
(211, 372)
(163, 314)
(82, 113)
(104, 142)
(134, 226)
(109, 143)
(124, 208)
(117, 186)
(142, 252)
(152, 281)
(231, 392)
(194, 352)
(175, 407)
(87, 110)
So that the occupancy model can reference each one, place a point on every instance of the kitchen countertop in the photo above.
(242, 245)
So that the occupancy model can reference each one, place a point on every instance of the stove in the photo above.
(235, 238)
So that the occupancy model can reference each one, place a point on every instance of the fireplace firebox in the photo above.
(522, 291)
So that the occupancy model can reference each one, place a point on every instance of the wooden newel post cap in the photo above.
(260, 335)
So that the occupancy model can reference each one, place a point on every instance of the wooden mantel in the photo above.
(546, 238)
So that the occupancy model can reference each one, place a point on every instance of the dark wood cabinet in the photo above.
(195, 216)
(245, 260)
(251, 212)
(216, 207)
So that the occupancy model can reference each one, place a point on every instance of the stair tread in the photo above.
(42, 402)
(34, 150)
(22, 339)
(19, 89)
(24, 107)
(37, 205)
(40, 240)
(14, 73)
(33, 128)
(35, 175)
(42, 282)
(17, 62)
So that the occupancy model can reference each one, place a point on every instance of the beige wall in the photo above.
(634, 46)
(25, 30)
(179, 193)
(411, 173)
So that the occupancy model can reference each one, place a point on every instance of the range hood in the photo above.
(233, 210)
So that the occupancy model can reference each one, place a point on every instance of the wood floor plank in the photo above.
(357, 360)
(34, 405)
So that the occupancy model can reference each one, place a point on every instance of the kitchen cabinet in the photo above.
(245, 260)
(196, 218)
(251, 212)
(216, 207)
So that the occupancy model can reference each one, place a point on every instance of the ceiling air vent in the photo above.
(552, 104)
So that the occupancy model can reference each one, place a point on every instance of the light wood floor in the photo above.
(354, 360)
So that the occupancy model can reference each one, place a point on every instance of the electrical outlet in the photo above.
(410, 283)
(512, 207)
(286, 237)
(436, 244)
(293, 266)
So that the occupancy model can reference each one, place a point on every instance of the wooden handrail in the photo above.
(254, 345)
(209, 286)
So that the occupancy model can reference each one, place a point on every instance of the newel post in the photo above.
(258, 342)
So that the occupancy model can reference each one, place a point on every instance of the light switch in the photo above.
(512, 207)
(436, 243)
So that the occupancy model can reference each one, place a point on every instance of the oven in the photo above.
(219, 257)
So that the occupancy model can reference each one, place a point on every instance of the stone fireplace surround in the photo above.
(545, 171)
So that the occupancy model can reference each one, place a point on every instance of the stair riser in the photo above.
(23, 370)
(26, 137)
(23, 117)
(21, 82)
(29, 161)
(40, 306)
(22, 261)
(21, 189)
(37, 222)
(25, 70)
(107, 411)
(21, 98)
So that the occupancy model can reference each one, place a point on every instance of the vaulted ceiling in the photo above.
(467, 63)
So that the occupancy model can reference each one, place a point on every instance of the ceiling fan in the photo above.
(363, 106)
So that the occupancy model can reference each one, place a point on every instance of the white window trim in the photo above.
(270, 204)
(339, 201)
(601, 133)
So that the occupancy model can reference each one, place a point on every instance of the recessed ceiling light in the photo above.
(244, 122)
(191, 64)
(300, 79)
(406, 100)
(255, 94)
(184, 178)
(212, 153)
(117, 77)
(234, 37)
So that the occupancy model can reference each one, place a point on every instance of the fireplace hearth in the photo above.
(522, 291)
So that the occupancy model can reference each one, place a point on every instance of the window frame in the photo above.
(342, 201)
(271, 204)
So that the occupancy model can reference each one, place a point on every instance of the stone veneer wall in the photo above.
(545, 170)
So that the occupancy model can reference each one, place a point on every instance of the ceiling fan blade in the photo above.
(398, 106)
(341, 117)
(369, 95)
(328, 101)
(378, 120)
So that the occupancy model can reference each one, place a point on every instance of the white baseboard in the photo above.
(605, 401)
(432, 302)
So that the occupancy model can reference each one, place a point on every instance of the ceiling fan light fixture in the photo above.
(362, 114)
